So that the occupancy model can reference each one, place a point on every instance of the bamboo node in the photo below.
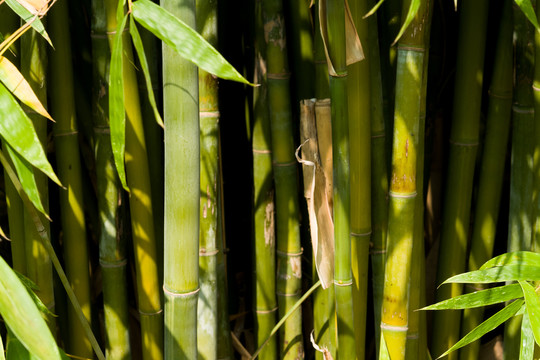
(413, 336)
(523, 109)
(376, 252)
(385, 326)
(343, 283)
(179, 295)
(379, 135)
(65, 133)
(102, 130)
(203, 252)
(402, 196)
(362, 234)
(279, 76)
(458, 143)
(284, 253)
(412, 48)
(292, 163)
(209, 114)
(154, 313)
(504, 95)
(265, 151)
(266, 311)
(289, 295)
(112, 264)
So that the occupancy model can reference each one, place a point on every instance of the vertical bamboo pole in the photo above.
(403, 187)
(463, 144)
(69, 171)
(112, 256)
(182, 184)
(289, 251)
(264, 207)
(492, 170)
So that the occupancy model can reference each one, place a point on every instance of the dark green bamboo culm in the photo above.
(403, 186)
(69, 172)
(265, 304)
(207, 308)
(289, 251)
(492, 170)
(182, 169)
(112, 252)
(535, 246)
(463, 145)
(358, 92)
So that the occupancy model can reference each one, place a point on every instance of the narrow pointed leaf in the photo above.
(533, 308)
(384, 353)
(413, 10)
(22, 316)
(527, 8)
(375, 8)
(26, 175)
(30, 18)
(184, 40)
(31, 287)
(2, 350)
(17, 129)
(486, 326)
(117, 111)
(514, 258)
(498, 274)
(526, 350)
(17, 84)
(479, 298)
(137, 42)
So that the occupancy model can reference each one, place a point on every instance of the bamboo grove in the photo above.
(207, 179)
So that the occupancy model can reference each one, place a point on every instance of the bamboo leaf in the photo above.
(117, 111)
(513, 258)
(527, 8)
(375, 8)
(184, 40)
(413, 10)
(29, 17)
(17, 351)
(498, 274)
(479, 298)
(384, 353)
(26, 175)
(137, 42)
(526, 350)
(22, 316)
(17, 84)
(2, 350)
(31, 287)
(17, 129)
(533, 308)
(486, 326)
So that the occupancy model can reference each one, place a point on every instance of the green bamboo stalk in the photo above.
(264, 207)
(407, 151)
(358, 92)
(289, 251)
(463, 145)
(207, 308)
(535, 246)
(492, 171)
(181, 112)
(521, 177)
(38, 262)
(69, 171)
(112, 255)
(379, 176)
(322, 86)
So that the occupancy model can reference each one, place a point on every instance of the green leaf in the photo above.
(17, 84)
(184, 40)
(18, 130)
(117, 111)
(375, 8)
(384, 353)
(533, 308)
(486, 326)
(514, 258)
(31, 287)
(526, 349)
(479, 298)
(2, 351)
(137, 42)
(498, 274)
(413, 10)
(527, 8)
(29, 17)
(26, 175)
(22, 316)
(15, 350)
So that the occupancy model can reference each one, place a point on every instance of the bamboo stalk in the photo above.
(182, 169)
(264, 207)
(112, 256)
(492, 171)
(463, 144)
(289, 251)
(407, 151)
(69, 171)
(358, 92)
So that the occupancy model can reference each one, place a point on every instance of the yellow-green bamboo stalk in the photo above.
(38, 262)
(492, 170)
(358, 92)
(463, 145)
(112, 256)
(69, 171)
(207, 308)
(265, 304)
(403, 185)
(181, 113)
